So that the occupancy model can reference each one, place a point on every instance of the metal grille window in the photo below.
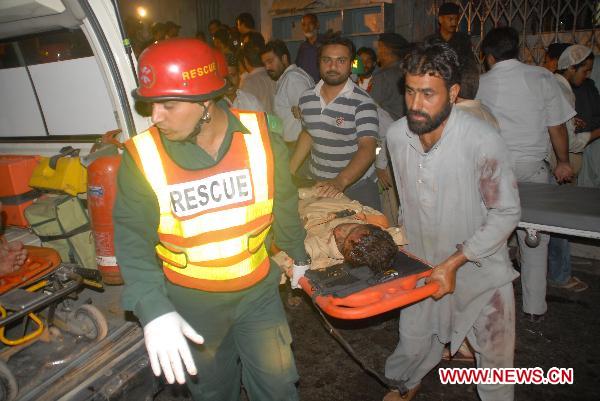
(540, 22)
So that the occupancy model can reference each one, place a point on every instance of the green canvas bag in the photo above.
(62, 223)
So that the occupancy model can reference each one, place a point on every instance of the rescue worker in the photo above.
(198, 194)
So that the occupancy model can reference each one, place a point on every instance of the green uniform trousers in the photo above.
(246, 339)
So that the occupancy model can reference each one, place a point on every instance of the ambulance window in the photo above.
(55, 46)
(62, 91)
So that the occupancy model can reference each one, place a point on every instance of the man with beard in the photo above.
(459, 203)
(307, 52)
(256, 81)
(292, 81)
(369, 60)
(198, 192)
(341, 126)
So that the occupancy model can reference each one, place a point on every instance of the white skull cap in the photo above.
(573, 55)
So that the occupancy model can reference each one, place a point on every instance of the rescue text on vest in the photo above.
(219, 190)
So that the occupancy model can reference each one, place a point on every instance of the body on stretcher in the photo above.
(347, 292)
(559, 209)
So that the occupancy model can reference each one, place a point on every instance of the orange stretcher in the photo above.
(40, 261)
(395, 291)
(42, 281)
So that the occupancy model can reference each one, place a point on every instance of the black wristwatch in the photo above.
(303, 262)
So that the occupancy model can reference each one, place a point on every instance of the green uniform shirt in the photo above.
(136, 218)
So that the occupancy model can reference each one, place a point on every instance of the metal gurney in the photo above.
(559, 209)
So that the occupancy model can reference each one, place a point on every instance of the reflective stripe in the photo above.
(179, 260)
(214, 221)
(212, 251)
(237, 270)
(224, 249)
(257, 156)
(153, 169)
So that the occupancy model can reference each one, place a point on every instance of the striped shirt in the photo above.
(336, 127)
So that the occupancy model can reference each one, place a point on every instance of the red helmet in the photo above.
(178, 69)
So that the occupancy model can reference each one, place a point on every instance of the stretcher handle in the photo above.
(374, 300)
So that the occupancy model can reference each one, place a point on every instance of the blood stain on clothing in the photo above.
(488, 184)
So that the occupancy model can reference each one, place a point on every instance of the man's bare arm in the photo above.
(360, 162)
(302, 150)
(560, 144)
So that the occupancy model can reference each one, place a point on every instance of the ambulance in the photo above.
(66, 77)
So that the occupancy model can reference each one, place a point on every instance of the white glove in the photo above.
(297, 273)
(167, 346)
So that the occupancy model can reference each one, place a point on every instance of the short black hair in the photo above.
(278, 47)
(367, 50)
(246, 19)
(214, 21)
(449, 8)
(251, 55)
(223, 36)
(502, 43)
(376, 249)
(336, 39)
(434, 58)
(311, 16)
(469, 80)
(556, 49)
(395, 42)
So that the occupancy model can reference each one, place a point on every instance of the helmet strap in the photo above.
(204, 118)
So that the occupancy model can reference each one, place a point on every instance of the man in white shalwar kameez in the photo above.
(459, 204)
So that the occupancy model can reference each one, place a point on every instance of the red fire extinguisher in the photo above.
(102, 189)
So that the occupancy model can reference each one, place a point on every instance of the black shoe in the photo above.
(533, 318)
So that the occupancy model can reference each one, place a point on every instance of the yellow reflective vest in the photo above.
(213, 222)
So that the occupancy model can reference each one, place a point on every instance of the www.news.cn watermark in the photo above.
(506, 376)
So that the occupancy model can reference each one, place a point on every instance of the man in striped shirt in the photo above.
(340, 129)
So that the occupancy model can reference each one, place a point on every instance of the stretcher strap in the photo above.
(78, 230)
(22, 198)
(384, 381)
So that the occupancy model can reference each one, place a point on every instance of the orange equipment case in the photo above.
(15, 193)
(376, 299)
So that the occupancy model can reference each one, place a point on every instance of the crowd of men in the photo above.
(453, 144)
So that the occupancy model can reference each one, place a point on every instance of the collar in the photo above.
(563, 81)
(233, 124)
(505, 64)
(348, 87)
(317, 42)
(289, 68)
(468, 103)
(257, 70)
